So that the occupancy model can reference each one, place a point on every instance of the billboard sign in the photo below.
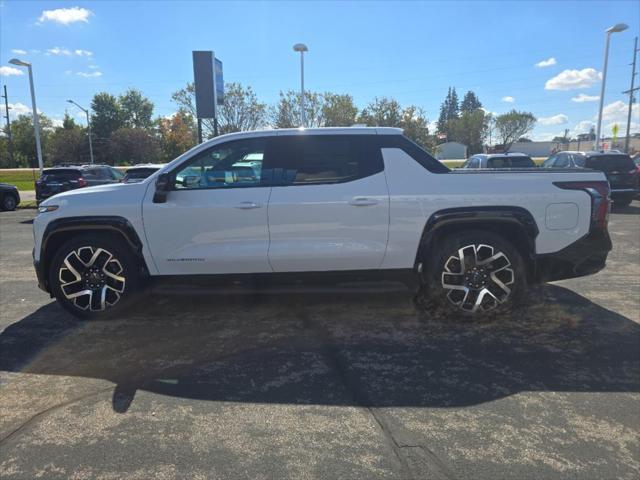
(203, 83)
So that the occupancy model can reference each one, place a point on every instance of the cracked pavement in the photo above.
(316, 385)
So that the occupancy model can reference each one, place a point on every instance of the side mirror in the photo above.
(163, 187)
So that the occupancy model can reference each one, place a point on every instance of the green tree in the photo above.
(24, 143)
(241, 110)
(106, 118)
(471, 129)
(135, 109)
(470, 102)
(387, 112)
(286, 114)
(449, 111)
(129, 146)
(513, 125)
(69, 143)
(177, 135)
(339, 110)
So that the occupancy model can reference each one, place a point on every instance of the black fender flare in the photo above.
(476, 217)
(115, 224)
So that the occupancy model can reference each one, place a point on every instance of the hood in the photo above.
(88, 194)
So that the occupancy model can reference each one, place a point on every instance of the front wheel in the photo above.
(9, 203)
(93, 276)
(473, 274)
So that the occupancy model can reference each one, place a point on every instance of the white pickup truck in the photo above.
(334, 203)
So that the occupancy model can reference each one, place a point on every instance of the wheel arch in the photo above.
(515, 224)
(63, 229)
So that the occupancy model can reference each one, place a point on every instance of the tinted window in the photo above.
(579, 160)
(232, 164)
(608, 163)
(116, 174)
(475, 163)
(139, 173)
(510, 162)
(323, 159)
(562, 161)
(549, 161)
(102, 173)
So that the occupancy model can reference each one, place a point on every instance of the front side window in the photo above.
(563, 160)
(548, 163)
(324, 159)
(232, 164)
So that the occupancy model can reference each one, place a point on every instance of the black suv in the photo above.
(60, 179)
(9, 196)
(618, 167)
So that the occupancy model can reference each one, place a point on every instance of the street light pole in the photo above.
(301, 47)
(86, 112)
(36, 121)
(619, 27)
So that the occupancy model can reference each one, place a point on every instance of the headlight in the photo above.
(47, 208)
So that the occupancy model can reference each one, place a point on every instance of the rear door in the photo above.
(619, 169)
(329, 206)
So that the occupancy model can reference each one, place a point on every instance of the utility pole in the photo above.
(630, 92)
(9, 137)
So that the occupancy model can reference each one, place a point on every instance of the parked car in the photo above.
(138, 173)
(620, 170)
(61, 179)
(499, 160)
(9, 197)
(338, 203)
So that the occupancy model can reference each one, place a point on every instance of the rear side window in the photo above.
(324, 159)
(579, 160)
(60, 175)
(609, 163)
(414, 151)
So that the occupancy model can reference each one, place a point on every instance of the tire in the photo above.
(476, 288)
(94, 277)
(9, 202)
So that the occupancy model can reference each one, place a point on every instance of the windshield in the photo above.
(609, 163)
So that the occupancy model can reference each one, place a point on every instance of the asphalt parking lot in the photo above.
(322, 384)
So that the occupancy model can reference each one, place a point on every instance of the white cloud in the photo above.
(65, 16)
(8, 71)
(93, 67)
(546, 63)
(559, 119)
(546, 137)
(56, 122)
(19, 51)
(57, 51)
(68, 72)
(83, 53)
(617, 111)
(583, 127)
(508, 99)
(90, 74)
(16, 109)
(585, 98)
(573, 79)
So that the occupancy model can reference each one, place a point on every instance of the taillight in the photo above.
(600, 201)
(82, 182)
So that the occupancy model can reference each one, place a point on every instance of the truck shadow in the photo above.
(357, 349)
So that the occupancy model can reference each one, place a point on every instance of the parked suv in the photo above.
(9, 197)
(618, 167)
(137, 173)
(499, 160)
(60, 179)
(337, 203)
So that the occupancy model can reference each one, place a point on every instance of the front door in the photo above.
(329, 206)
(215, 219)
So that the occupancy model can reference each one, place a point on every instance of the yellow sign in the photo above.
(614, 130)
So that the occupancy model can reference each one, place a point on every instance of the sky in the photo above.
(543, 57)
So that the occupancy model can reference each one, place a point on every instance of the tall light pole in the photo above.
(630, 92)
(619, 27)
(301, 47)
(36, 122)
(86, 112)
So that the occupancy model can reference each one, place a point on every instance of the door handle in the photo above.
(363, 201)
(248, 205)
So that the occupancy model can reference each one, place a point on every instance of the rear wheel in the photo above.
(622, 201)
(473, 274)
(93, 277)
(9, 202)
